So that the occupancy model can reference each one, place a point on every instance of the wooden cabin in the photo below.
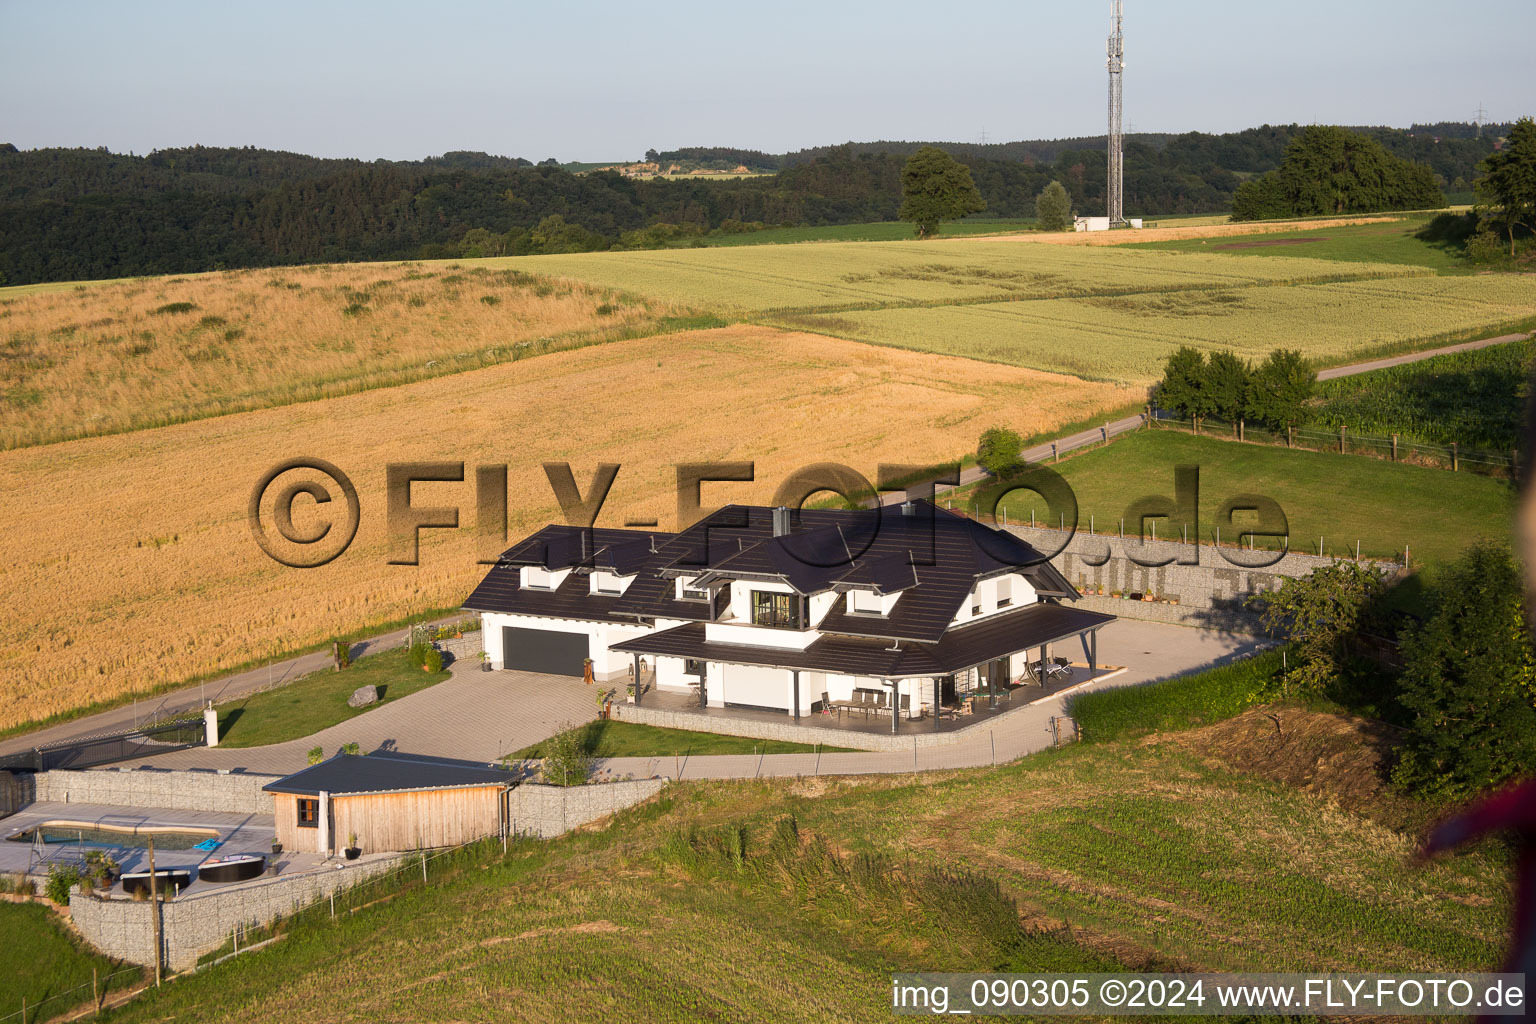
(390, 802)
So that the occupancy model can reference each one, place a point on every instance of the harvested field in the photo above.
(1270, 243)
(151, 351)
(127, 563)
(1173, 234)
(1126, 338)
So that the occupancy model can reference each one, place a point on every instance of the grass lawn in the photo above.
(1355, 243)
(629, 739)
(45, 962)
(1341, 498)
(318, 700)
(782, 899)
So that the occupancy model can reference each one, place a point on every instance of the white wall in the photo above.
(600, 582)
(606, 664)
(986, 595)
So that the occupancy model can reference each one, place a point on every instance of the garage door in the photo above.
(544, 650)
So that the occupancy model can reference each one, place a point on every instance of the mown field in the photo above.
(1338, 498)
(764, 280)
(43, 961)
(151, 351)
(874, 231)
(796, 899)
(1475, 399)
(127, 563)
(1126, 338)
(1386, 242)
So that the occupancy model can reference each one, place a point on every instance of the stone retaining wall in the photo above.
(15, 792)
(549, 811)
(1212, 585)
(235, 793)
(200, 923)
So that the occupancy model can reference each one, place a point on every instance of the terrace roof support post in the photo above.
(938, 698)
(794, 710)
(1093, 653)
(895, 705)
(1045, 653)
(637, 679)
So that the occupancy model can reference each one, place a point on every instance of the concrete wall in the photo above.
(197, 924)
(1210, 588)
(548, 811)
(236, 793)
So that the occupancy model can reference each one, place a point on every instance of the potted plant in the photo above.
(277, 847)
(1114, 593)
(485, 661)
(353, 851)
(629, 691)
(1149, 596)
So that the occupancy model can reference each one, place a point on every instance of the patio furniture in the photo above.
(231, 869)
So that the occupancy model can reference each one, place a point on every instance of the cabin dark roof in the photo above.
(348, 774)
(961, 648)
(933, 557)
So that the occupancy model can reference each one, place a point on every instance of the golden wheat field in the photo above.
(151, 351)
(127, 563)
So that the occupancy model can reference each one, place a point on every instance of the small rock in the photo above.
(363, 696)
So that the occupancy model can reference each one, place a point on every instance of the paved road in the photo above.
(482, 716)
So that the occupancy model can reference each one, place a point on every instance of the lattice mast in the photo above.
(1115, 201)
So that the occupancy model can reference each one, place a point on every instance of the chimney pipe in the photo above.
(909, 508)
(781, 521)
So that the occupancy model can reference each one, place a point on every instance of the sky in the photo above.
(606, 81)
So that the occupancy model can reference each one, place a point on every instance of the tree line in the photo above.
(73, 214)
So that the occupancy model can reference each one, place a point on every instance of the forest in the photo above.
(78, 214)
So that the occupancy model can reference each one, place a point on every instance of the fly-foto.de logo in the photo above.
(331, 510)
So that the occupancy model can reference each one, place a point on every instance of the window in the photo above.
(693, 667)
(976, 601)
(864, 602)
(693, 593)
(309, 812)
(606, 583)
(1004, 592)
(781, 611)
(537, 578)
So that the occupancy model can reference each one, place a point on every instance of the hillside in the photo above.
(758, 901)
(82, 214)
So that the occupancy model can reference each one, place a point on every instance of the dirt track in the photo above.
(1174, 234)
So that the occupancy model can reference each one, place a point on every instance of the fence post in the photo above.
(1240, 435)
(1288, 435)
(1394, 447)
(1342, 431)
(1055, 455)
(1454, 459)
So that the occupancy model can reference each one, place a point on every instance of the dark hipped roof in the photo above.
(932, 556)
(961, 648)
(349, 774)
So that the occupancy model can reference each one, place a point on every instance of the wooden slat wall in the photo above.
(408, 821)
(285, 806)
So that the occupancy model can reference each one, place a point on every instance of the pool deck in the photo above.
(241, 833)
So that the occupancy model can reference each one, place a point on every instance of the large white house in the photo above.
(785, 610)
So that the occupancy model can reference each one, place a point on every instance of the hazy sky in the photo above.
(599, 81)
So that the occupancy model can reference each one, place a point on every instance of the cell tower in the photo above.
(1115, 201)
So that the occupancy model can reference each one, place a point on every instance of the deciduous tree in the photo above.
(1053, 208)
(1279, 388)
(936, 187)
(998, 450)
(1320, 613)
(1182, 389)
(1507, 189)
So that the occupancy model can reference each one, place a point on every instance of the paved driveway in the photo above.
(473, 715)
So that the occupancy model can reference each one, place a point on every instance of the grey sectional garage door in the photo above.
(544, 650)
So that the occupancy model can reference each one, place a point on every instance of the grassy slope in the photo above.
(874, 231)
(1356, 243)
(1341, 498)
(43, 961)
(1151, 856)
(628, 739)
(318, 700)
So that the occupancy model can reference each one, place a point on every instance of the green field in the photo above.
(1474, 399)
(1127, 337)
(796, 899)
(1392, 242)
(1340, 498)
(318, 700)
(762, 280)
(629, 739)
(44, 962)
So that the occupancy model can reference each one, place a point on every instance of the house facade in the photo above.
(911, 607)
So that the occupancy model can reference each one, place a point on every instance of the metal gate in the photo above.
(106, 749)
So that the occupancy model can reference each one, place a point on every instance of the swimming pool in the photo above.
(129, 837)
